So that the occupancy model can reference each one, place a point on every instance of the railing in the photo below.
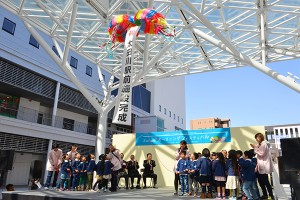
(38, 117)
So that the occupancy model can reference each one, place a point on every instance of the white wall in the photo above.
(21, 168)
(170, 94)
(72, 115)
(28, 109)
(28, 103)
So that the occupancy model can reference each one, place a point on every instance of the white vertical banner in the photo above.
(122, 113)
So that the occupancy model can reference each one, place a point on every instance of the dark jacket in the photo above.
(193, 166)
(230, 169)
(64, 167)
(133, 167)
(91, 166)
(107, 167)
(100, 169)
(183, 166)
(75, 166)
(204, 166)
(218, 168)
(248, 169)
(149, 167)
(82, 167)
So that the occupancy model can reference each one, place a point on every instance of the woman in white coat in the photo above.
(264, 164)
(53, 163)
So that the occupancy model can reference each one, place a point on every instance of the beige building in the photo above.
(206, 123)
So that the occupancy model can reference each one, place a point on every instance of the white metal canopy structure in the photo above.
(210, 35)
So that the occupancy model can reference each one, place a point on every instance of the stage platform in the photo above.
(149, 193)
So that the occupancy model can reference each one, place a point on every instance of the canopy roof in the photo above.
(239, 21)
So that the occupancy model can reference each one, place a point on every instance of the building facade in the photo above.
(31, 84)
(206, 123)
(277, 132)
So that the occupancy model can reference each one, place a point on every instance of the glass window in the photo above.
(55, 50)
(291, 130)
(281, 131)
(88, 71)
(160, 125)
(73, 62)
(141, 98)
(33, 42)
(286, 131)
(68, 124)
(159, 108)
(9, 26)
(178, 118)
(170, 114)
(165, 111)
(276, 131)
(174, 116)
(182, 120)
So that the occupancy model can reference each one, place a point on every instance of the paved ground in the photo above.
(149, 193)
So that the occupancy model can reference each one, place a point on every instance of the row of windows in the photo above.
(10, 27)
(286, 131)
(170, 114)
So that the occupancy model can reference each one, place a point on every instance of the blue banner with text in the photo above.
(217, 135)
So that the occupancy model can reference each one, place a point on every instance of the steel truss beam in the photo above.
(228, 47)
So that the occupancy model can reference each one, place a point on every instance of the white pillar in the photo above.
(55, 104)
(101, 134)
(262, 33)
(49, 149)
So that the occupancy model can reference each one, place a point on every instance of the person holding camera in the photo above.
(114, 156)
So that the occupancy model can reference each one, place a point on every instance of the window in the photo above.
(281, 131)
(88, 71)
(9, 26)
(68, 124)
(178, 118)
(73, 62)
(174, 116)
(291, 131)
(55, 50)
(165, 111)
(296, 132)
(170, 114)
(33, 42)
(286, 131)
(159, 108)
(182, 120)
(40, 118)
(276, 131)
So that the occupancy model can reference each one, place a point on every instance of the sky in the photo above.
(244, 95)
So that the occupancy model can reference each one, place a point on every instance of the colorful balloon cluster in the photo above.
(149, 20)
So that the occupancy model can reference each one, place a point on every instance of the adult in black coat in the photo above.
(149, 164)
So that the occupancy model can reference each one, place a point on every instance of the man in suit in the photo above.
(133, 172)
(149, 164)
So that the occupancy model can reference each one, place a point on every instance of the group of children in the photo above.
(225, 173)
(78, 175)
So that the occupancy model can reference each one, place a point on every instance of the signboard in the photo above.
(122, 113)
(217, 135)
